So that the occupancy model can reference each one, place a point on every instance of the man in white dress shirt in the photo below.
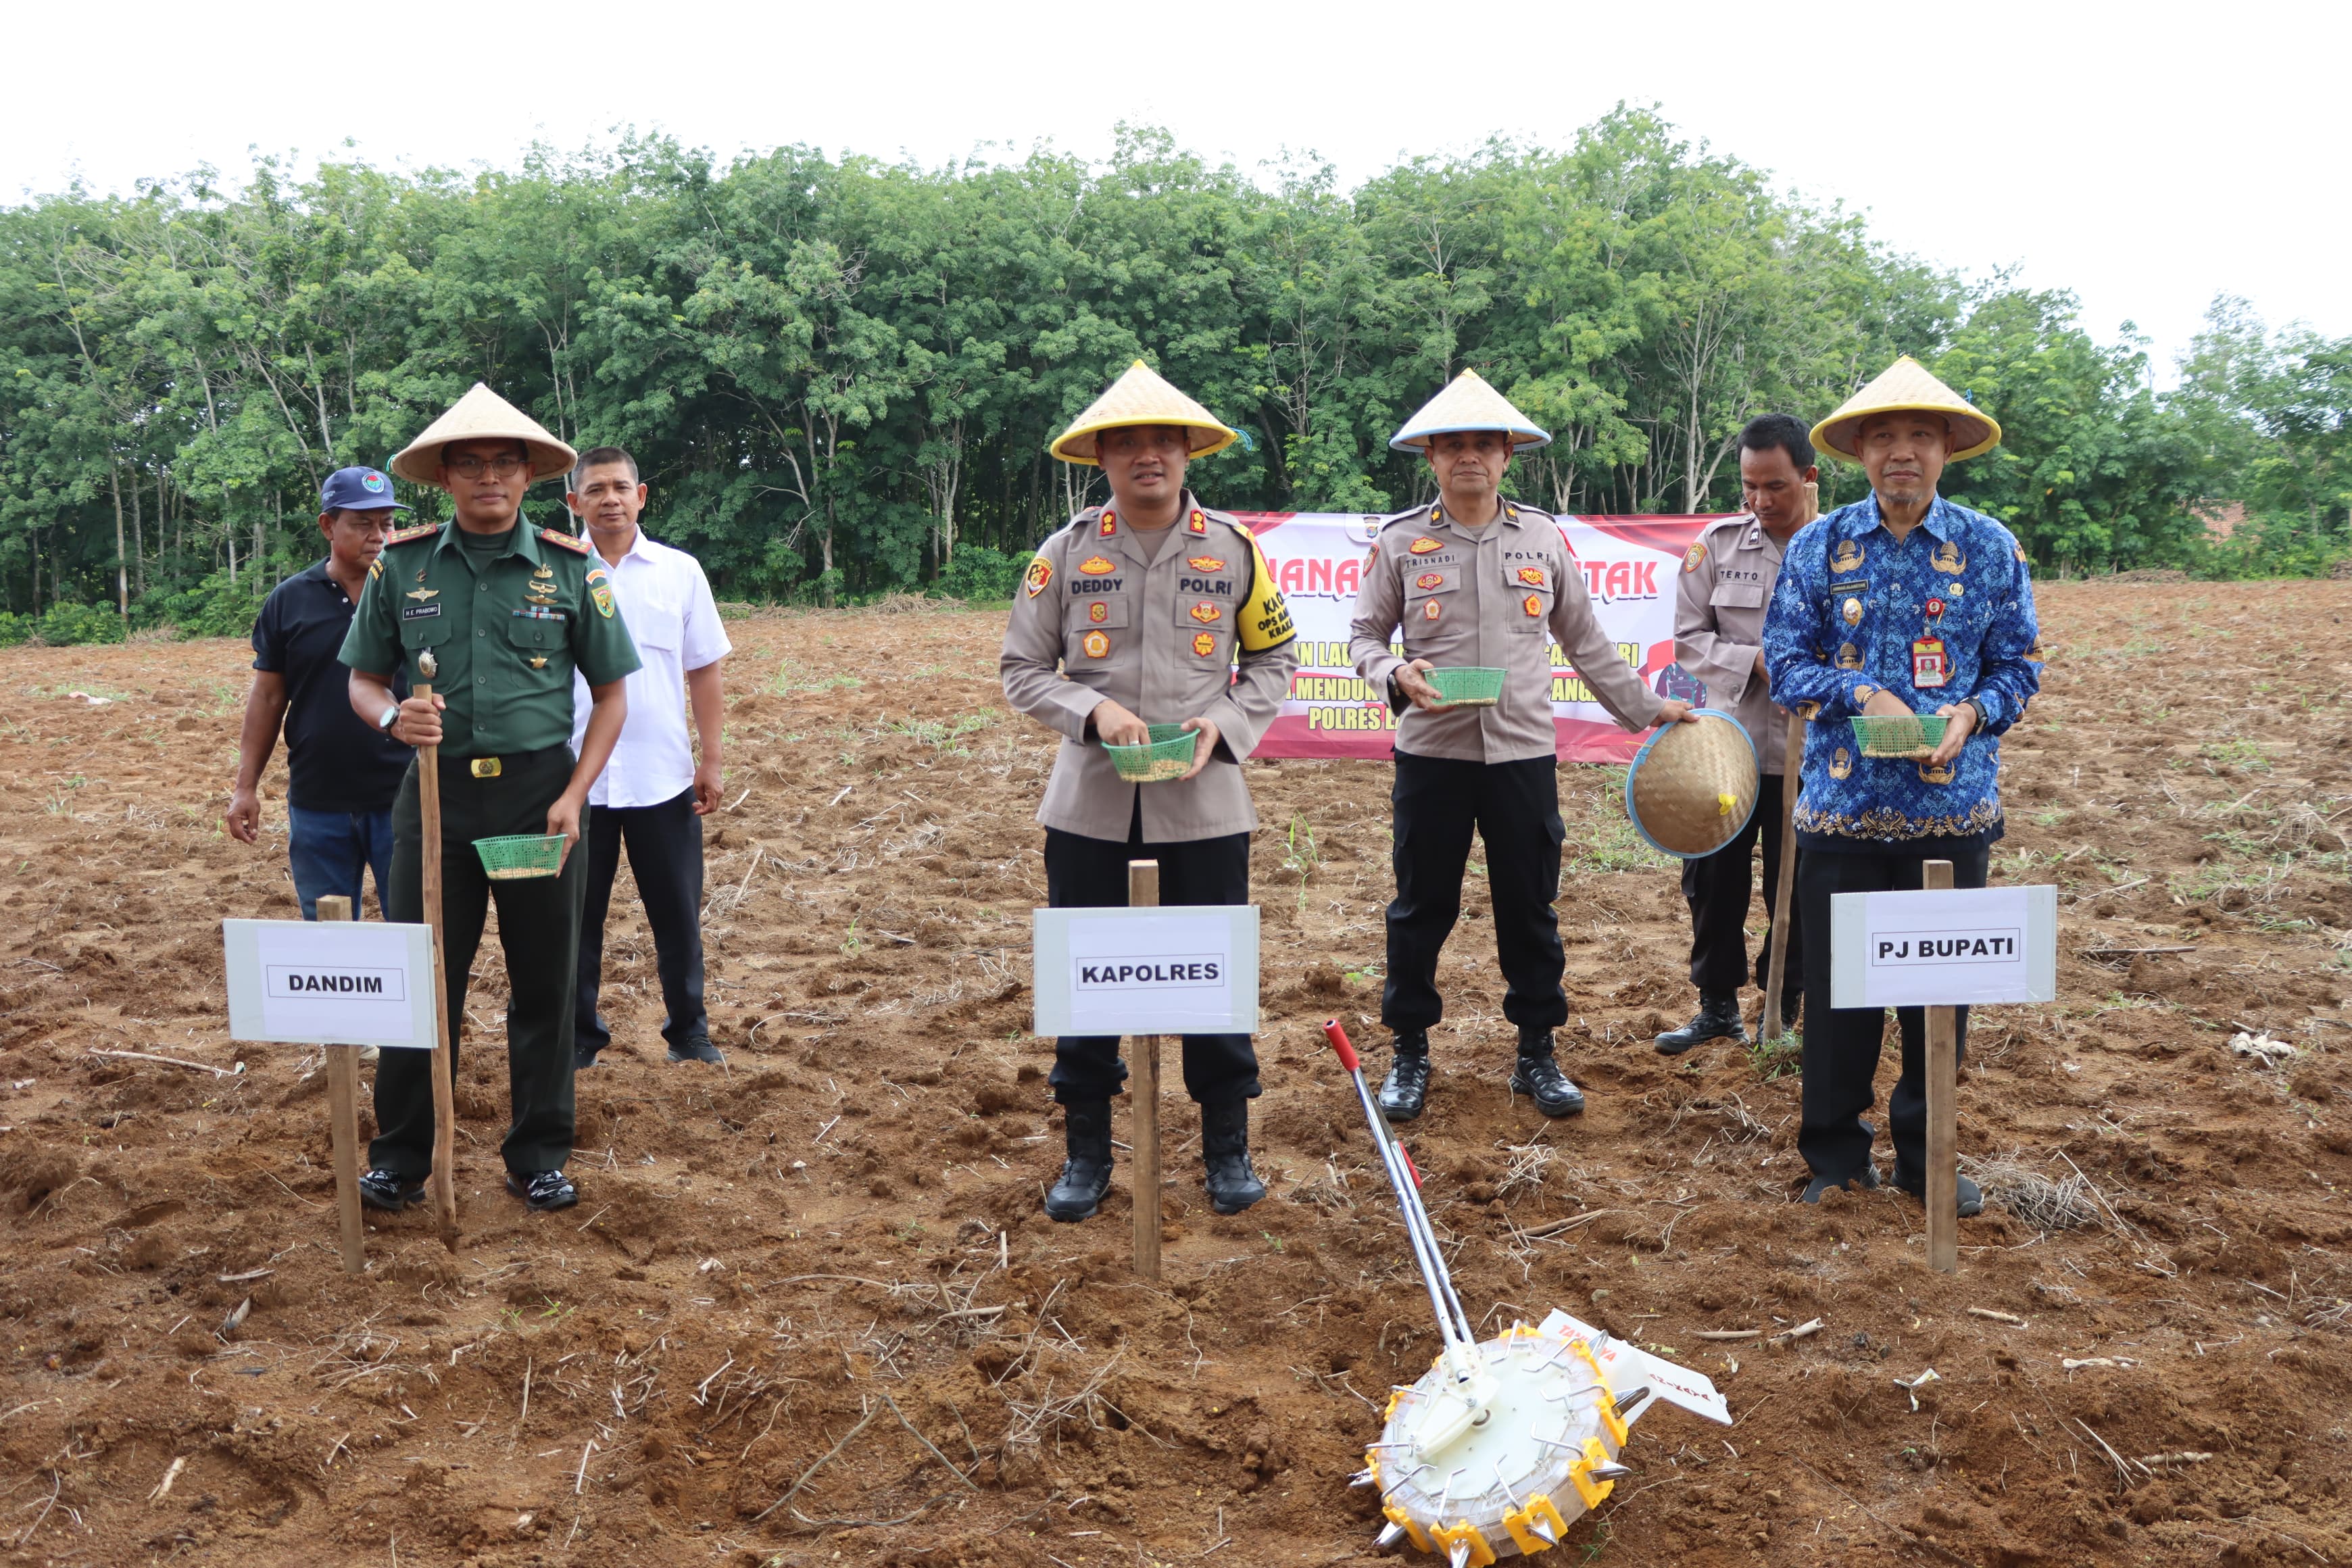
(651, 795)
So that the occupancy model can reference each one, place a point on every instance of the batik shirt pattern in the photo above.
(1849, 616)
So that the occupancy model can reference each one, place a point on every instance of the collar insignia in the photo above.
(1199, 524)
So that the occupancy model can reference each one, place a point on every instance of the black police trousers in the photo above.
(1718, 887)
(1515, 807)
(538, 926)
(1841, 1052)
(664, 843)
(1084, 873)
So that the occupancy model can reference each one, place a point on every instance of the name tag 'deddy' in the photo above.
(1949, 947)
(1168, 971)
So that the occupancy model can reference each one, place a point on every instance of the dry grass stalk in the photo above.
(1528, 1164)
(2066, 1203)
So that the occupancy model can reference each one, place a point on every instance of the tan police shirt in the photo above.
(1105, 612)
(1498, 596)
(1721, 594)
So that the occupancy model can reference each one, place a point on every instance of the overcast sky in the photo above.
(2146, 156)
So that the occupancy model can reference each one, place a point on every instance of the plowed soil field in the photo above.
(808, 1311)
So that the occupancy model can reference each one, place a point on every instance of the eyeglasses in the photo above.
(469, 467)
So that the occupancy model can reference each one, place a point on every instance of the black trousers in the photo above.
(664, 846)
(1084, 873)
(538, 927)
(1841, 1044)
(1515, 807)
(1717, 888)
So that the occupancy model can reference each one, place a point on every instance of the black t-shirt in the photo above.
(335, 761)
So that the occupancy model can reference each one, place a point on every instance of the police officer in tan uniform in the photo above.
(1721, 597)
(1132, 616)
(1478, 581)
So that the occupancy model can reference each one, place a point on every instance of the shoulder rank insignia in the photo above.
(376, 567)
(1204, 563)
(564, 541)
(1424, 544)
(1204, 643)
(1206, 613)
(1198, 524)
(1694, 555)
(1510, 512)
(1096, 565)
(1040, 573)
(402, 536)
(1533, 576)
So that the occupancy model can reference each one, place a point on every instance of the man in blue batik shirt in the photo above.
(1899, 604)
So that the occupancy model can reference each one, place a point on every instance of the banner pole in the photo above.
(1943, 1196)
(343, 1116)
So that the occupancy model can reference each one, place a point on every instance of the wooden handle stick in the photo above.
(1143, 1096)
(1943, 1119)
(343, 1113)
(1784, 889)
(444, 1182)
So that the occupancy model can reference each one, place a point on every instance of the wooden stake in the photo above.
(1784, 893)
(1143, 1096)
(1943, 1119)
(444, 1182)
(344, 1111)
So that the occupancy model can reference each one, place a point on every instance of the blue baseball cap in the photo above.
(357, 490)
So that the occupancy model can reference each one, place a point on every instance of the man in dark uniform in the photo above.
(1720, 596)
(495, 614)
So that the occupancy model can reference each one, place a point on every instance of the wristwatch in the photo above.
(1983, 718)
(391, 717)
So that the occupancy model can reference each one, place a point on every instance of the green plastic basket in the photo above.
(1169, 755)
(520, 855)
(1468, 686)
(1886, 735)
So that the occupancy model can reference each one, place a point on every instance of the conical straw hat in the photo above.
(1469, 403)
(1908, 384)
(1692, 787)
(482, 415)
(1142, 398)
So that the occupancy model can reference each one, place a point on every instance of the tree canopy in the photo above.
(840, 375)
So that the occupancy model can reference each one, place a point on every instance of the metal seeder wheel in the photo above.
(1501, 1444)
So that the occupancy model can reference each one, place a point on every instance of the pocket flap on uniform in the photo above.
(1421, 582)
(419, 629)
(1098, 610)
(534, 631)
(1741, 596)
(654, 625)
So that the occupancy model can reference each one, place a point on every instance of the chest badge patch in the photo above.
(1694, 555)
(543, 572)
(1040, 573)
(1852, 612)
(1096, 644)
(1849, 656)
(1430, 609)
(1532, 604)
(425, 593)
(1204, 643)
(538, 663)
(1204, 563)
(1948, 560)
(1096, 566)
(1533, 576)
(1098, 612)
(1424, 544)
(1430, 580)
(1848, 559)
(1206, 613)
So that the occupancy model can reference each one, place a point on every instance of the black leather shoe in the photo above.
(1971, 1195)
(1406, 1088)
(543, 1190)
(1717, 1019)
(388, 1191)
(1224, 1150)
(1864, 1180)
(1538, 1077)
(1085, 1172)
(696, 1049)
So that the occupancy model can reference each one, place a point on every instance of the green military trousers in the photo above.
(538, 926)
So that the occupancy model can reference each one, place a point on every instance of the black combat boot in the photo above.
(1540, 1077)
(1224, 1150)
(1717, 1019)
(1085, 1175)
(1406, 1088)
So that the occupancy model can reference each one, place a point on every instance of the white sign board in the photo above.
(1175, 970)
(1951, 947)
(331, 983)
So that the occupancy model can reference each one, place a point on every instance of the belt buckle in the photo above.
(486, 767)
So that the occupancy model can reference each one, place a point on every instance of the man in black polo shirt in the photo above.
(341, 775)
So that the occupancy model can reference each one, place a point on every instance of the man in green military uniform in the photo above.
(495, 614)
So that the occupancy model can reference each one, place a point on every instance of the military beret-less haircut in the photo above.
(597, 458)
(1767, 431)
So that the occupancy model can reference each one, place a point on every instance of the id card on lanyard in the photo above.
(1929, 668)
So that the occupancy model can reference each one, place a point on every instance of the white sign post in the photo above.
(343, 986)
(1940, 948)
